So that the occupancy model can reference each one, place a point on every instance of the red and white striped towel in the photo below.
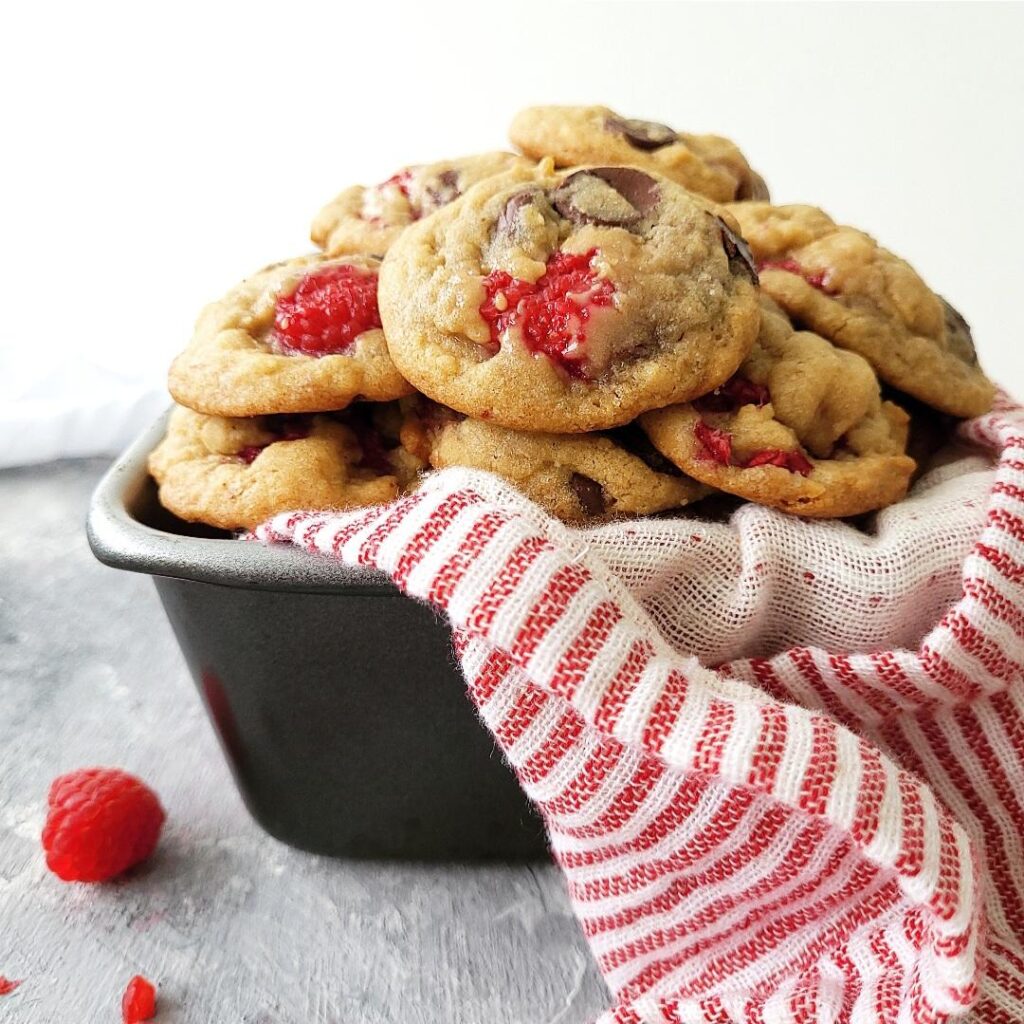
(829, 827)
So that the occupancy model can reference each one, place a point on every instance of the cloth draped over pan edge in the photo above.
(781, 763)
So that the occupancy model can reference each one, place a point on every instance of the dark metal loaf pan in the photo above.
(336, 699)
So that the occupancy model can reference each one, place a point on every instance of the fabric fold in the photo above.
(806, 834)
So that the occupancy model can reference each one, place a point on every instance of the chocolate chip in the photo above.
(507, 218)
(589, 493)
(958, 332)
(640, 190)
(741, 261)
(444, 188)
(608, 196)
(646, 135)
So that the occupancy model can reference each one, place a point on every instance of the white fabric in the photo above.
(826, 829)
(74, 407)
(765, 581)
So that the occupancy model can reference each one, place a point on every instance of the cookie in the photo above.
(706, 164)
(237, 473)
(580, 478)
(569, 302)
(840, 283)
(369, 219)
(299, 336)
(802, 427)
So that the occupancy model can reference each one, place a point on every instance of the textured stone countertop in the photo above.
(232, 925)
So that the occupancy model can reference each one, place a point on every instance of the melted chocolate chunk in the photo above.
(741, 260)
(507, 219)
(589, 493)
(646, 135)
(640, 190)
(958, 331)
(607, 196)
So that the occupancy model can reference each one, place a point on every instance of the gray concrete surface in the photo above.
(231, 924)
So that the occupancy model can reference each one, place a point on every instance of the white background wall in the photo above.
(154, 154)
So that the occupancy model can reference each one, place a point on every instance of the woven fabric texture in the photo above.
(781, 763)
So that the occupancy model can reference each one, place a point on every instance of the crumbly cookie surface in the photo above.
(709, 165)
(589, 479)
(569, 301)
(237, 473)
(365, 219)
(801, 427)
(293, 338)
(841, 284)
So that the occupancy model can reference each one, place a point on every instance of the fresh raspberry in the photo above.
(328, 310)
(7, 985)
(794, 461)
(717, 443)
(552, 313)
(101, 822)
(816, 278)
(735, 392)
(139, 1001)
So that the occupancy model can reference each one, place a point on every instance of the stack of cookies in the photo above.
(617, 321)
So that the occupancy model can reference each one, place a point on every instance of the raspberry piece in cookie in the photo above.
(715, 445)
(816, 279)
(569, 302)
(237, 473)
(736, 391)
(301, 336)
(840, 283)
(792, 461)
(706, 164)
(553, 312)
(328, 309)
(594, 478)
(370, 218)
(802, 427)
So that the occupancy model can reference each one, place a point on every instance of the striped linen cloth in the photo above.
(825, 826)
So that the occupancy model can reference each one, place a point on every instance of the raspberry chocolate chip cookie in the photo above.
(592, 478)
(840, 283)
(706, 164)
(369, 219)
(802, 427)
(569, 302)
(236, 473)
(300, 336)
